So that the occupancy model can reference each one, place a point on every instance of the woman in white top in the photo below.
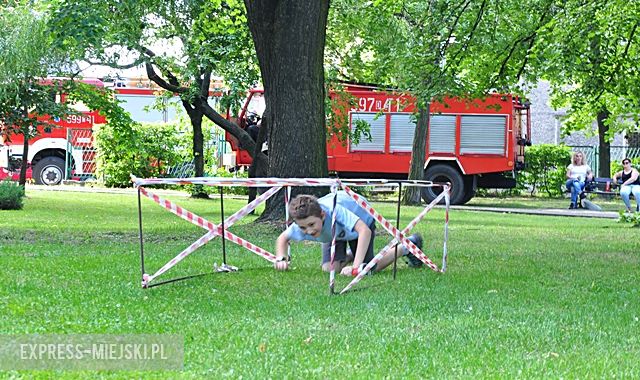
(577, 174)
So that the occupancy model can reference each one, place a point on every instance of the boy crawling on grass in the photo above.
(312, 221)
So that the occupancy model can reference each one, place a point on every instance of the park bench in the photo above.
(600, 186)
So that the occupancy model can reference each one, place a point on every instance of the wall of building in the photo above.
(546, 123)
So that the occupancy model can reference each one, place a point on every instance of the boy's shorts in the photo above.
(341, 249)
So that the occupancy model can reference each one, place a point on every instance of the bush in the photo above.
(627, 217)
(546, 168)
(150, 149)
(11, 195)
(145, 152)
(237, 190)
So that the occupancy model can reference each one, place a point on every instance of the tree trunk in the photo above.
(23, 165)
(195, 113)
(416, 170)
(198, 145)
(22, 181)
(289, 37)
(258, 168)
(604, 158)
(198, 153)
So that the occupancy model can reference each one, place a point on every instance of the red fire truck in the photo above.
(66, 150)
(470, 143)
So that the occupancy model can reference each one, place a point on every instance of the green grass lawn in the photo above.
(524, 296)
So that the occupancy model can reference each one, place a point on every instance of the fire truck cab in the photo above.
(47, 153)
(66, 150)
(477, 143)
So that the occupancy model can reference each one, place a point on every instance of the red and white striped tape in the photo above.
(277, 183)
(391, 229)
(214, 230)
(272, 181)
(382, 252)
(332, 264)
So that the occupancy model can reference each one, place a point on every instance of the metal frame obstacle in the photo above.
(275, 185)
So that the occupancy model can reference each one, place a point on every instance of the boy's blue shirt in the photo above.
(347, 215)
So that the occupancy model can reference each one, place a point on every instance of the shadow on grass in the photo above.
(181, 279)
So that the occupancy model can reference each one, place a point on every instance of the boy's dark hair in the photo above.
(304, 206)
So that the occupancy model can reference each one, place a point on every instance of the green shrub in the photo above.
(546, 168)
(11, 195)
(150, 149)
(239, 190)
(627, 217)
(145, 152)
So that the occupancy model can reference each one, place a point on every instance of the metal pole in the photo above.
(395, 253)
(224, 248)
(332, 273)
(140, 233)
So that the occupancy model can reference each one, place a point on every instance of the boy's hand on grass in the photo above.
(281, 265)
(346, 271)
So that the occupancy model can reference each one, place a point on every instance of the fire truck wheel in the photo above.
(444, 173)
(49, 171)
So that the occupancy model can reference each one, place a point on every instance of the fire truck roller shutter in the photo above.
(441, 172)
(49, 171)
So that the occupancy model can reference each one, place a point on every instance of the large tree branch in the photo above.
(245, 141)
(452, 28)
(205, 83)
(614, 72)
(131, 65)
(619, 62)
(531, 38)
(151, 73)
(455, 60)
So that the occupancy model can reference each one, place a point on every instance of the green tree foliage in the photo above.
(434, 48)
(589, 52)
(28, 101)
(182, 44)
(26, 59)
(437, 47)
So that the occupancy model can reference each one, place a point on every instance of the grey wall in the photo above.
(546, 122)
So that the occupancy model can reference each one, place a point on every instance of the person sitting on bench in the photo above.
(630, 184)
(577, 174)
